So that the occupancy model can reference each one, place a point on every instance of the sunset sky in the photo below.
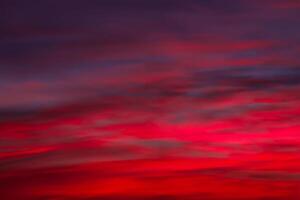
(149, 99)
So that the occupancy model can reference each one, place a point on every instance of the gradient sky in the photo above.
(150, 99)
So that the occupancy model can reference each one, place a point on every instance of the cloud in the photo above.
(161, 99)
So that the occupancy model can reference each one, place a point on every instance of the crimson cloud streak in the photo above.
(154, 100)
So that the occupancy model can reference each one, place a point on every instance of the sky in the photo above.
(152, 100)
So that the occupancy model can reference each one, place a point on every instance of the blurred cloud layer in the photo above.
(160, 99)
